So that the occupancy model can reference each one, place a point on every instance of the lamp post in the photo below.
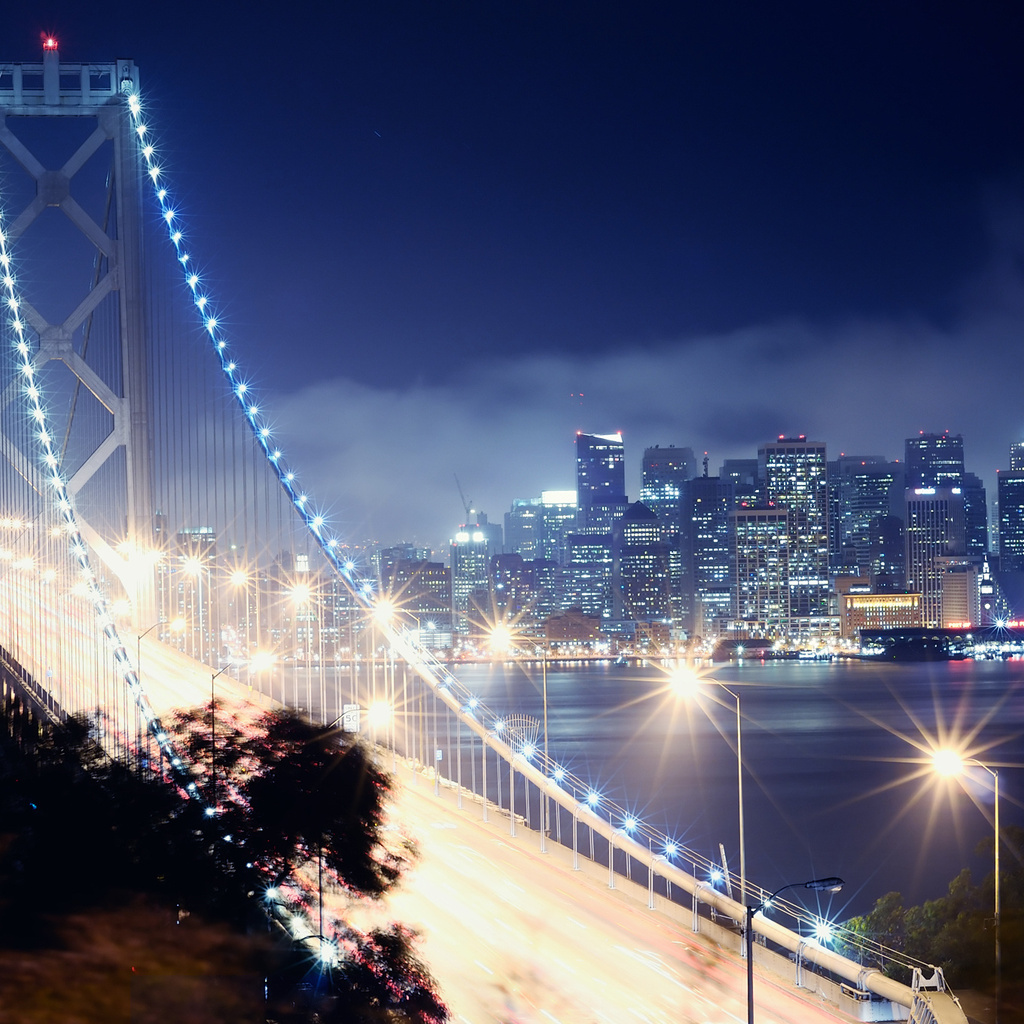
(213, 736)
(545, 824)
(175, 625)
(948, 762)
(831, 884)
(688, 681)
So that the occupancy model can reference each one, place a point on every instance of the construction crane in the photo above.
(465, 504)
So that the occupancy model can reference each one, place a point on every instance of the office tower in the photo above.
(386, 559)
(934, 460)
(470, 555)
(746, 484)
(870, 491)
(640, 566)
(600, 481)
(961, 591)
(852, 482)
(1011, 520)
(665, 470)
(422, 589)
(761, 541)
(557, 520)
(665, 473)
(794, 472)
(887, 556)
(588, 578)
(537, 527)
(934, 530)
(522, 526)
(1017, 457)
(975, 515)
(511, 588)
(707, 598)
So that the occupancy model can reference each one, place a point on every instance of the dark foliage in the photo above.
(81, 831)
(955, 932)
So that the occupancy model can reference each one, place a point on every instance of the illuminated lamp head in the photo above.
(49, 42)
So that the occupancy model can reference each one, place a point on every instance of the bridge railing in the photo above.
(662, 857)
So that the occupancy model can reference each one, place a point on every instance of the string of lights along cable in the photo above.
(454, 693)
(224, 491)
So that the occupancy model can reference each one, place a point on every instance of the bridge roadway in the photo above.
(515, 935)
(592, 955)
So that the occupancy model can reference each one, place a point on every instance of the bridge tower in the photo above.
(86, 102)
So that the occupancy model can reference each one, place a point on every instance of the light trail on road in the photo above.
(515, 936)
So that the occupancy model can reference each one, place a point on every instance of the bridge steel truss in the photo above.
(101, 92)
(52, 90)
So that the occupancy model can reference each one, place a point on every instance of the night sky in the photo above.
(448, 235)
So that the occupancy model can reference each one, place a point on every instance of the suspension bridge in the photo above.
(157, 550)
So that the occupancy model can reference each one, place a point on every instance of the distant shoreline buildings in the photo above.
(788, 546)
(785, 549)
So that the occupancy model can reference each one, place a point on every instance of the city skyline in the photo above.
(488, 228)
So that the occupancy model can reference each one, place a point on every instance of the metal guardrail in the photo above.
(926, 1002)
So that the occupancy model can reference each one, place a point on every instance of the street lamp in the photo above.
(832, 884)
(687, 681)
(950, 763)
(174, 626)
(213, 737)
(502, 640)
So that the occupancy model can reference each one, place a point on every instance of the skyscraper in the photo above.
(470, 557)
(706, 596)
(934, 460)
(850, 483)
(762, 591)
(934, 531)
(600, 481)
(640, 566)
(665, 470)
(1011, 521)
(794, 471)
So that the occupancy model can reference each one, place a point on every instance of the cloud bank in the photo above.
(385, 461)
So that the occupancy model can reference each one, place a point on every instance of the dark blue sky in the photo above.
(720, 222)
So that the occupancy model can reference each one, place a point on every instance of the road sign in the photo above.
(350, 717)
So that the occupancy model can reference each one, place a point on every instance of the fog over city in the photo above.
(506, 426)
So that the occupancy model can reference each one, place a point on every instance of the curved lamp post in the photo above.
(213, 736)
(950, 763)
(831, 884)
(687, 680)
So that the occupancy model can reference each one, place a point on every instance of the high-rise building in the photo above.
(707, 598)
(470, 555)
(511, 588)
(1017, 457)
(665, 470)
(869, 491)
(537, 527)
(640, 566)
(1011, 520)
(761, 573)
(794, 471)
(961, 591)
(522, 524)
(746, 484)
(934, 531)
(887, 555)
(588, 578)
(557, 520)
(853, 483)
(975, 515)
(600, 481)
(934, 460)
